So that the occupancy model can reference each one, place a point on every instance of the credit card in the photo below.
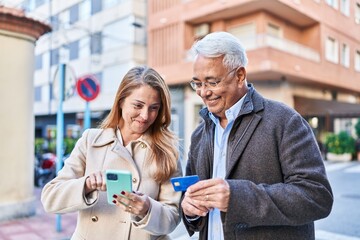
(180, 184)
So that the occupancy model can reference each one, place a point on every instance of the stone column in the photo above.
(18, 35)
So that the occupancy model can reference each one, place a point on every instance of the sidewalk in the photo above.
(42, 226)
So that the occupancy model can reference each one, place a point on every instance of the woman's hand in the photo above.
(133, 202)
(95, 181)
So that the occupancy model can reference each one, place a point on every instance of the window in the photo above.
(357, 60)
(345, 55)
(51, 92)
(175, 122)
(54, 57)
(38, 3)
(95, 6)
(333, 3)
(38, 61)
(331, 50)
(274, 30)
(73, 50)
(84, 10)
(246, 33)
(73, 131)
(113, 34)
(140, 31)
(345, 7)
(55, 23)
(29, 5)
(99, 76)
(37, 95)
(74, 13)
(357, 13)
(95, 43)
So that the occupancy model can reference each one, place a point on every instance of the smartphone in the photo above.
(117, 181)
(180, 184)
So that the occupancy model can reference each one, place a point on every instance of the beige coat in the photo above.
(100, 150)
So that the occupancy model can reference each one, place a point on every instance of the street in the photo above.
(343, 223)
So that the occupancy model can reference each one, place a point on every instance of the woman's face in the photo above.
(139, 111)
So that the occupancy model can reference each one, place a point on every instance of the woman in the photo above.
(134, 137)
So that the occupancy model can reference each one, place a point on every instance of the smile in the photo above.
(212, 100)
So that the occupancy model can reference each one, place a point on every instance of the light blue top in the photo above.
(219, 169)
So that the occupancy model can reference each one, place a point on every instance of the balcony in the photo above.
(301, 14)
(285, 45)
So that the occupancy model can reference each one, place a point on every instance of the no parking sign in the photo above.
(88, 87)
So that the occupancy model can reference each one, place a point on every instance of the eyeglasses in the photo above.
(212, 84)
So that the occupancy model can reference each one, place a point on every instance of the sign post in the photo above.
(59, 131)
(63, 89)
(88, 88)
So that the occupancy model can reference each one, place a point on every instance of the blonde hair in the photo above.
(164, 153)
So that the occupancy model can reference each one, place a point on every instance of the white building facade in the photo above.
(102, 38)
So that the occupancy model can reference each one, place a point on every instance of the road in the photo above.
(343, 223)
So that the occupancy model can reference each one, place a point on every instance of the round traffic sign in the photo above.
(88, 87)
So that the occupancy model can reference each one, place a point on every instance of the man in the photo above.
(262, 172)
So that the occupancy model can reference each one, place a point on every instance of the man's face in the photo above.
(228, 91)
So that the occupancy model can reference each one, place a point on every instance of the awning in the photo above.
(318, 107)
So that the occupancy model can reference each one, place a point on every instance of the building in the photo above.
(301, 52)
(102, 38)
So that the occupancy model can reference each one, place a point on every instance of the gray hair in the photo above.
(218, 44)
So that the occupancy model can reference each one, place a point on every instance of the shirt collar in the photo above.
(142, 139)
(230, 113)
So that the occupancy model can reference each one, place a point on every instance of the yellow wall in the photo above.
(17, 125)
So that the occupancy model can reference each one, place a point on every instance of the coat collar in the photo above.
(104, 137)
(108, 135)
(252, 103)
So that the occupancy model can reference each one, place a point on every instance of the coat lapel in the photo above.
(107, 136)
(240, 139)
(244, 126)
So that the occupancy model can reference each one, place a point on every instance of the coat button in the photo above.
(134, 180)
(143, 145)
(94, 218)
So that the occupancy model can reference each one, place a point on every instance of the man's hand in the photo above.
(208, 194)
(191, 208)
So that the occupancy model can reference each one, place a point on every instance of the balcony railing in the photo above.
(285, 45)
(265, 40)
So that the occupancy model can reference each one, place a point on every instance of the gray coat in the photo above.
(275, 171)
